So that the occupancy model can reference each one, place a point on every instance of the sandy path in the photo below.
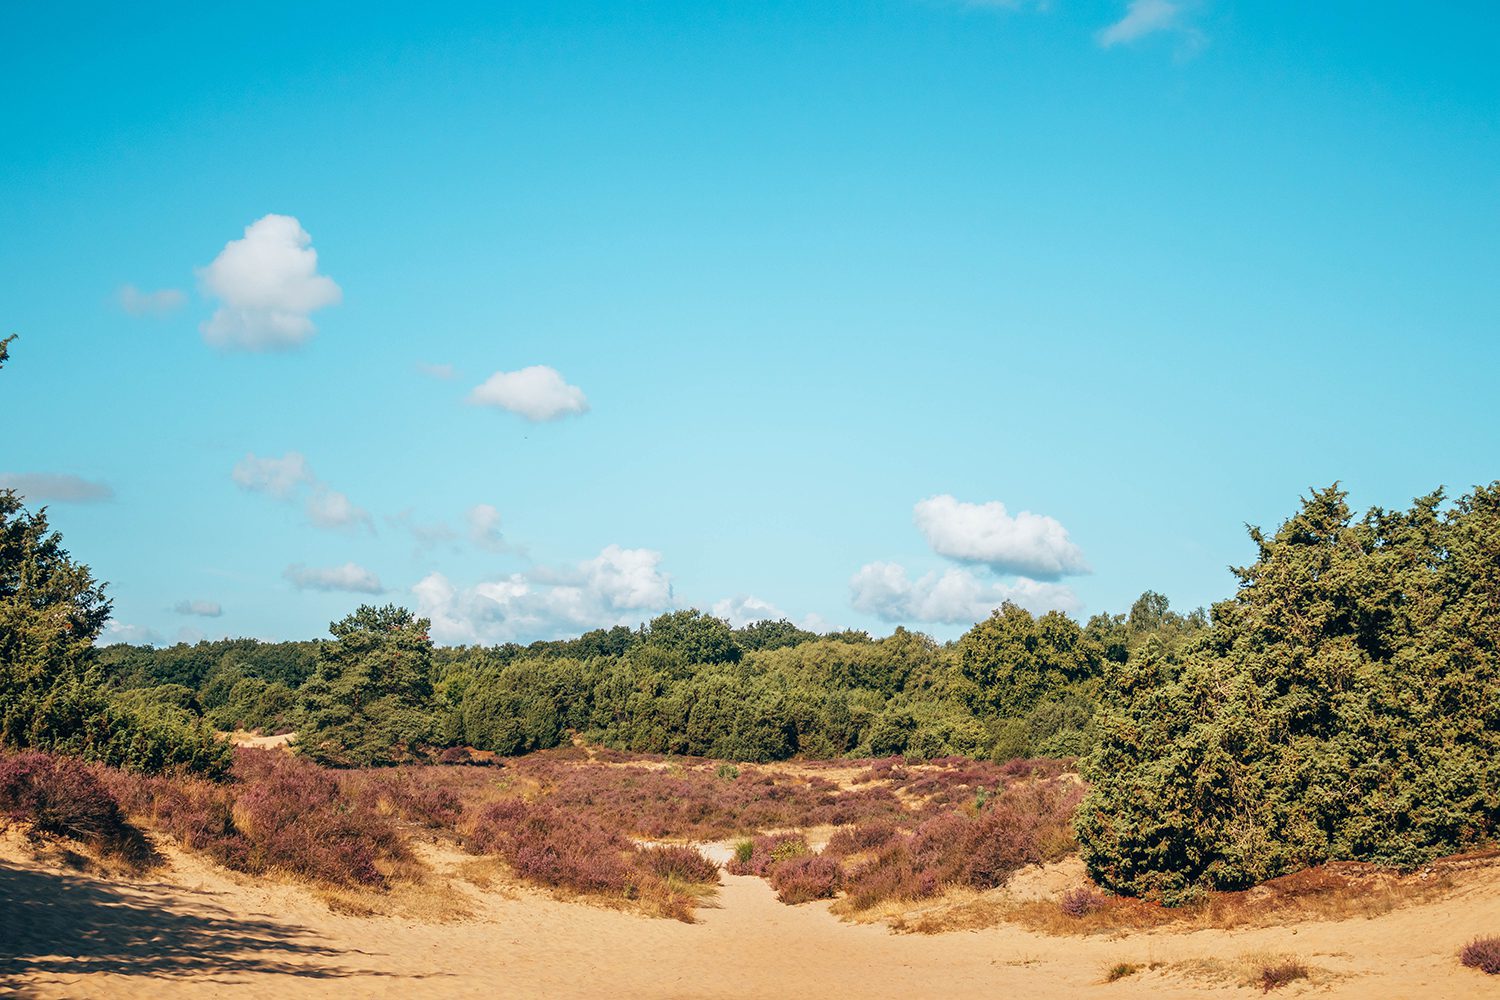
(194, 931)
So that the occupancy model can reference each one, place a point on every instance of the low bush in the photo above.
(681, 863)
(1279, 974)
(1482, 954)
(767, 851)
(279, 813)
(60, 796)
(1079, 903)
(806, 877)
(552, 847)
(1018, 826)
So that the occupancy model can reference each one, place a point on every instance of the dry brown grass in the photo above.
(1260, 970)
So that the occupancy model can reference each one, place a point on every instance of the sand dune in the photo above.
(193, 930)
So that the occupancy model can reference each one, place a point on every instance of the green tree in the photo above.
(1345, 704)
(370, 700)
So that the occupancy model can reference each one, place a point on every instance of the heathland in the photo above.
(1297, 788)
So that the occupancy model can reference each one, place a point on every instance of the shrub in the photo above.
(682, 863)
(1329, 713)
(1482, 954)
(767, 851)
(1080, 902)
(806, 877)
(1021, 825)
(551, 847)
(1279, 974)
(1120, 970)
(58, 795)
(279, 813)
(859, 838)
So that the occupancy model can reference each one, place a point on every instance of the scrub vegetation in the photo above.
(1343, 704)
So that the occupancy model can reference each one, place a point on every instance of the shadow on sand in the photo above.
(54, 927)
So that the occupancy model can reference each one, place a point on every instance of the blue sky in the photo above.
(775, 308)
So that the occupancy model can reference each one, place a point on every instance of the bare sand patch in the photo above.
(192, 930)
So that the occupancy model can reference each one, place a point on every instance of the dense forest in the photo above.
(1343, 703)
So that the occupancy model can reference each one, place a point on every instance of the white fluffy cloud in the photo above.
(536, 393)
(350, 577)
(617, 587)
(955, 596)
(1027, 544)
(268, 286)
(157, 303)
(56, 487)
(289, 478)
(436, 371)
(745, 610)
(1142, 18)
(203, 609)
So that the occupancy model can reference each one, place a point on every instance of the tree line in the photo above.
(1344, 703)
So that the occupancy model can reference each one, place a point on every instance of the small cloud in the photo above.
(1027, 544)
(484, 527)
(157, 303)
(278, 477)
(267, 286)
(290, 477)
(956, 596)
(746, 609)
(436, 371)
(135, 635)
(328, 508)
(203, 609)
(1146, 17)
(349, 577)
(536, 393)
(55, 487)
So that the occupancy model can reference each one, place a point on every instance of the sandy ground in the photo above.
(193, 930)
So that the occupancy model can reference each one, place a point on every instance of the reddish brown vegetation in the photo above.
(1080, 902)
(759, 855)
(1482, 954)
(807, 877)
(1280, 974)
(560, 849)
(674, 861)
(59, 796)
(279, 813)
(1021, 825)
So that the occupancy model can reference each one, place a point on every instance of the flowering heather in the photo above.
(1080, 902)
(1026, 824)
(58, 795)
(681, 863)
(279, 813)
(1482, 954)
(767, 851)
(689, 799)
(806, 877)
(551, 847)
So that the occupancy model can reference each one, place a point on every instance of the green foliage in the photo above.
(1013, 661)
(1344, 704)
(370, 700)
(692, 637)
(51, 694)
(771, 635)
